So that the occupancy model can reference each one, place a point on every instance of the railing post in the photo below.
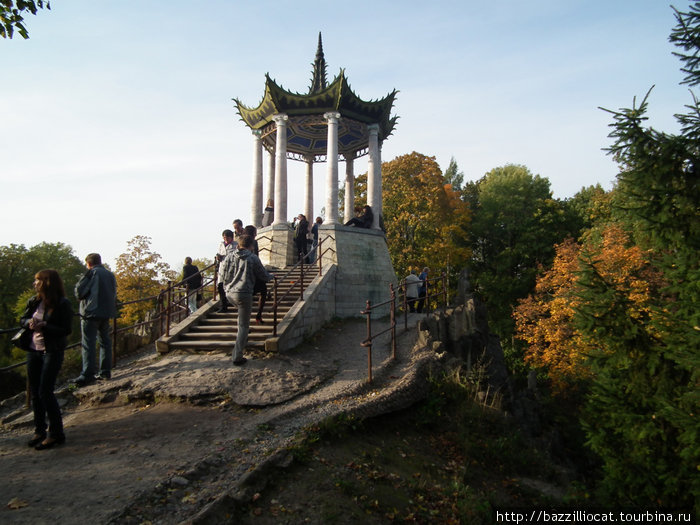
(168, 300)
(301, 283)
(427, 295)
(114, 342)
(274, 306)
(368, 341)
(216, 278)
(444, 287)
(405, 304)
(319, 251)
(392, 318)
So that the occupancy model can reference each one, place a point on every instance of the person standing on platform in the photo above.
(412, 284)
(97, 293)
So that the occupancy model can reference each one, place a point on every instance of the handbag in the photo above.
(21, 339)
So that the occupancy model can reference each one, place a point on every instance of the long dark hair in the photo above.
(51, 289)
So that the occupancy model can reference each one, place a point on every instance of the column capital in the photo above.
(331, 116)
(373, 129)
(257, 133)
(280, 118)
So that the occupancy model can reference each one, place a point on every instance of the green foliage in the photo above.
(453, 176)
(12, 14)
(18, 265)
(641, 416)
(515, 226)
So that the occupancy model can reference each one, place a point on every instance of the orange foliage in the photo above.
(545, 319)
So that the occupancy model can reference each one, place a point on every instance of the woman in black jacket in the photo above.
(48, 318)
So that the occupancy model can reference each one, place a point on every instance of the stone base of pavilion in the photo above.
(359, 256)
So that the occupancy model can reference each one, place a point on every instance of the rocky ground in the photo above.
(186, 438)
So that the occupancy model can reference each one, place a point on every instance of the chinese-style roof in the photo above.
(306, 126)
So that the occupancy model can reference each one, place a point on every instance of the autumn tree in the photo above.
(140, 274)
(426, 221)
(546, 319)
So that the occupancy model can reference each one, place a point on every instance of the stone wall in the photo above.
(308, 316)
(364, 267)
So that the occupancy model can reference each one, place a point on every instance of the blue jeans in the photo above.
(42, 370)
(244, 301)
(91, 328)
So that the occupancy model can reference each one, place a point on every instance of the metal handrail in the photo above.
(369, 307)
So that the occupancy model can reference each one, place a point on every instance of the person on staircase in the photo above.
(228, 245)
(239, 271)
(260, 285)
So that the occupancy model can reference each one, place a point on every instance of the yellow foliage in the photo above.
(545, 319)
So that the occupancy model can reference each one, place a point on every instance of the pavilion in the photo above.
(323, 125)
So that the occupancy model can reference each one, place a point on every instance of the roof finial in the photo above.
(318, 80)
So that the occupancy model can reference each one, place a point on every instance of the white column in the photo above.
(270, 180)
(374, 181)
(349, 186)
(281, 170)
(332, 175)
(309, 190)
(257, 186)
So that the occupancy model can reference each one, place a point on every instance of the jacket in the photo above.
(58, 323)
(97, 293)
(191, 276)
(239, 271)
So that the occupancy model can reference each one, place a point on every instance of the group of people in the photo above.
(242, 276)
(305, 238)
(45, 326)
(416, 290)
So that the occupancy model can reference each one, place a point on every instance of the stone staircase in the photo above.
(217, 331)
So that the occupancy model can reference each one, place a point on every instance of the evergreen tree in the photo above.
(641, 417)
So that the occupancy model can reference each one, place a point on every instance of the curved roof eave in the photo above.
(338, 96)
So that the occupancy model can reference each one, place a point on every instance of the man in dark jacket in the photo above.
(302, 229)
(97, 293)
(238, 273)
(193, 282)
(364, 220)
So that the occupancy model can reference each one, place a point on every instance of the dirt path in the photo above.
(172, 438)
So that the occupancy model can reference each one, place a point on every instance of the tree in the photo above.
(12, 14)
(515, 226)
(453, 176)
(641, 416)
(140, 274)
(426, 221)
(17, 268)
(546, 318)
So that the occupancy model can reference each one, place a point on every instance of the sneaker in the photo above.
(241, 361)
(104, 376)
(81, 381)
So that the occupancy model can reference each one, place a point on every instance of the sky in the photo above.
(117, 118)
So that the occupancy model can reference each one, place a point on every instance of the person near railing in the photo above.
(260, 285)
(314, 234)
(97, 293)
(423, 289)
(226, 247)
(47, 320)
(193, 282)
(238, 273)
(300, 232)
(412, 284)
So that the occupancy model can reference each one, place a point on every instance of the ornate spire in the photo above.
(318, 80)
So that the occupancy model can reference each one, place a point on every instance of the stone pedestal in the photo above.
(276, 245)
